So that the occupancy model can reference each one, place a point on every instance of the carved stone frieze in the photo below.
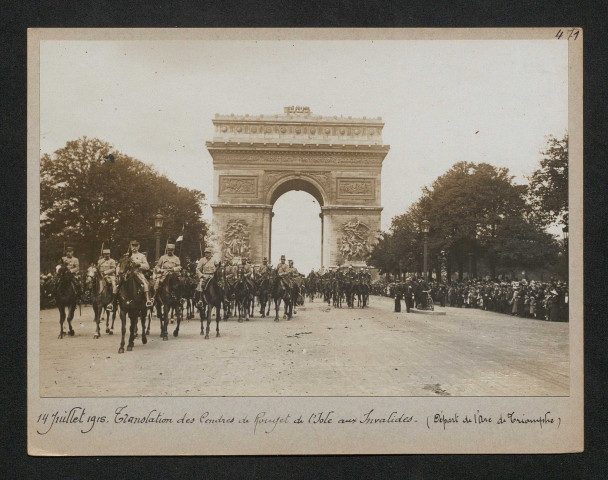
(236, 240)
(238, 185)
(355, 243)
(300, 158)
(361, 187)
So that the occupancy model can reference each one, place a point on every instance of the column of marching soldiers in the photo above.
(335, 284)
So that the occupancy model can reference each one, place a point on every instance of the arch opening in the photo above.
(297, 184)
(297, 230)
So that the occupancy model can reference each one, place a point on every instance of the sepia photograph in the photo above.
(261, 217)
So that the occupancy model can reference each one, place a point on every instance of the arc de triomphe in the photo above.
(256, 159)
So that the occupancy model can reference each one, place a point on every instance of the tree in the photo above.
(520, 244)
(466, 207)
(548, 191)
(92, 194)
(475, 211)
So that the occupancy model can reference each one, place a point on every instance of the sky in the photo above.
(441, 101)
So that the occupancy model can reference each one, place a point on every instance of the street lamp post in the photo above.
(442, 266)
(425, 230)
(158, 224)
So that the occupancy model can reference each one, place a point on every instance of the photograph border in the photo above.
(569, 439)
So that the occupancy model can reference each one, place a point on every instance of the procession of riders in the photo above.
(204, 285)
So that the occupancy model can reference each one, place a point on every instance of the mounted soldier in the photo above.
(205, 269)
(265, 285)
(293, 271)
(73, 266)
(140, 262)
(284, 273)
(107, 268)
(265, 269)
(246, 272)
(166, 264)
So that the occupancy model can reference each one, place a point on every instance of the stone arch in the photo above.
(296, 181)
(337, 160)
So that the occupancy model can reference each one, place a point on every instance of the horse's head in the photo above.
(92, 273)
(63, 273)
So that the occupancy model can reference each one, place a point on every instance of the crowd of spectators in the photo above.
(529, 299)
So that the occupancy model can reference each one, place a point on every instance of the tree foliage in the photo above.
(548, 191)
(473, 209)
(86, 200)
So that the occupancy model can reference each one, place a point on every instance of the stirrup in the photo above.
(109, 307)
(149, 303)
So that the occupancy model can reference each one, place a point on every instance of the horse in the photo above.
(242, 298)
(336, 291)
(132, 301)
(279, 292)
(229, 292)
(265, 287)
(169, 297)
(189, 295)
(296, 296)
(66, 296)
(101, 296)
(327, 290)
(212, 297)
(362, 292)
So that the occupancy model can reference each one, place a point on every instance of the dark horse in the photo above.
(101, 296)
(65, 297)
(213, 297)
(132, 301)
(362, 292)
(170, 294)
(242, 298)
(265, 286)
(281, 292)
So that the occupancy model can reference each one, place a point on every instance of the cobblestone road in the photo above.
(322, 351)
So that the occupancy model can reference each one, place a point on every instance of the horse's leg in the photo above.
(239, 306)
(149, 315)
(202, 313)
(123, 330)
(209, 310)
(107, 322)
(132, 326)
(113, 318)
(71, 311)
(277, 306)
(61, 309)
(217, 319)
(164, 322)
(97, 311)
(143, 315)
(247, 301)
(178, 315)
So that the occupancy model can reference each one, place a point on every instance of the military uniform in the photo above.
(284, 273)
(293, 272)
(141, 265)
(265, 269)
(246, 272)
(205, 270)
(73, 266)
(107, 268)
(165, 265)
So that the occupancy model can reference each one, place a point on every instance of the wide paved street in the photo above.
(322, 351)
